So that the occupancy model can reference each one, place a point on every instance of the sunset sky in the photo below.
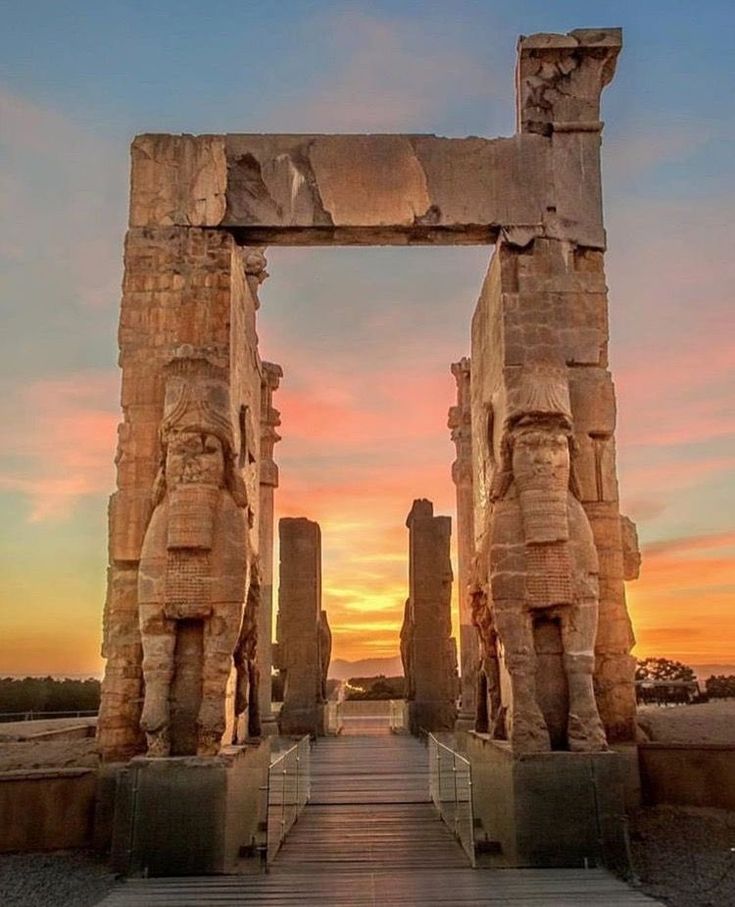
(365, 336)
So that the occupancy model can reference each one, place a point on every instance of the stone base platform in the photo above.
(191, 815)
(547, 809)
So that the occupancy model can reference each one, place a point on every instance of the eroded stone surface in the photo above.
(460, 423)
(303, 634)
(192, 576)
(543, 310)
(428, 651)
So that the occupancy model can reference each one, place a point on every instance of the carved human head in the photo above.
(540, 450)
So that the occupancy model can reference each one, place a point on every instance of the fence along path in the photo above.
(370, 836)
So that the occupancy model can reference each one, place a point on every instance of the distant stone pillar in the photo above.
(270, 419)
(460, 422)
(428, 645)
(300, 626)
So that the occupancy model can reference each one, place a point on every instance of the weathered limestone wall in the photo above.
(184, 291)
(543, 309)
(428, 650)
(460, 423)
(300, 626)
(270, 419)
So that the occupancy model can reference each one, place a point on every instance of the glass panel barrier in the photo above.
(450, 785)
(288, 792)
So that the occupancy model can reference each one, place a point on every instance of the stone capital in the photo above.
(559, 79)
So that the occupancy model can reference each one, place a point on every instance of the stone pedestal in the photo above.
(299, 627)
(191, 815)
(547, 809)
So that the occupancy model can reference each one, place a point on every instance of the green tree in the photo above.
(663, 669)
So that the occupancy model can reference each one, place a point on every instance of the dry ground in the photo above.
(683, 856)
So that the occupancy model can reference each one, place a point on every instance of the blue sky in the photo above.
(355, 328)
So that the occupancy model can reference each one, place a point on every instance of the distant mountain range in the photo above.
(340, 669)
(705, 671)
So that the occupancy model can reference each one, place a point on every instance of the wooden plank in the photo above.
(370, 836)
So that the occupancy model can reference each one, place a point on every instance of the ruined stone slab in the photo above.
(300, 627)
(383, 188)
(343, 189)
(428, 651)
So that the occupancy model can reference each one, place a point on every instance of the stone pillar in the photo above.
(185, 298)
(270, 419)
(460, 422)
(300, 626)
(539, 355)
(427, 646)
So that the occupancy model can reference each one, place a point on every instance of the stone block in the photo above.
(191, 815)
(548, 809)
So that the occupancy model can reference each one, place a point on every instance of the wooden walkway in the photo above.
(370, 836)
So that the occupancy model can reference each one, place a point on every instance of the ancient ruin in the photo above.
(542, 550)
(270, 419)
(460, 423)
(427, 649)
(304, 639)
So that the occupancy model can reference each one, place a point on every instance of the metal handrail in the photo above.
(288, 792)
(34, 715)
(450, 785)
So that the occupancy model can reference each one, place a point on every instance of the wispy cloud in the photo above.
(62, 442)
(387, 74)
(64, 194)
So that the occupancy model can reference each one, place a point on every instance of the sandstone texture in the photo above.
(460, 424)
(543, 551)
(304, 641)
(427, 648)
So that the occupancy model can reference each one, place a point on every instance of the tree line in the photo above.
(46, 694)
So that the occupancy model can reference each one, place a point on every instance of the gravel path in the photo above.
(64, 879)
(705, 722)
(685, 856)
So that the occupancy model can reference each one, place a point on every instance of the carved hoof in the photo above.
(208, 744)
(529, 737)
(159, 745)
(586, 734)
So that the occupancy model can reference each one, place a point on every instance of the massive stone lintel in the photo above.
(427, 648)
(401, 189)
(301, 627)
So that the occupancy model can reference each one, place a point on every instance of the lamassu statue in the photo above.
(543, 569)
(194, 561)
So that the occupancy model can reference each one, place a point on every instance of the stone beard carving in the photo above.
(194, 560)
(325, 653)
(247, 710)
(543, 565)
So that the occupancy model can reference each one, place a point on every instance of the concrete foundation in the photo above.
(547, 809)
(191, 815)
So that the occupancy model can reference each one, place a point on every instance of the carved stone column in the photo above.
(270, 419)
(184, 286)
(460, 422)
(542, 311)
(428, 651)
(300, 626)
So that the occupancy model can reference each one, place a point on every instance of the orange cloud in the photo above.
(682, 604)
(63, 441)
